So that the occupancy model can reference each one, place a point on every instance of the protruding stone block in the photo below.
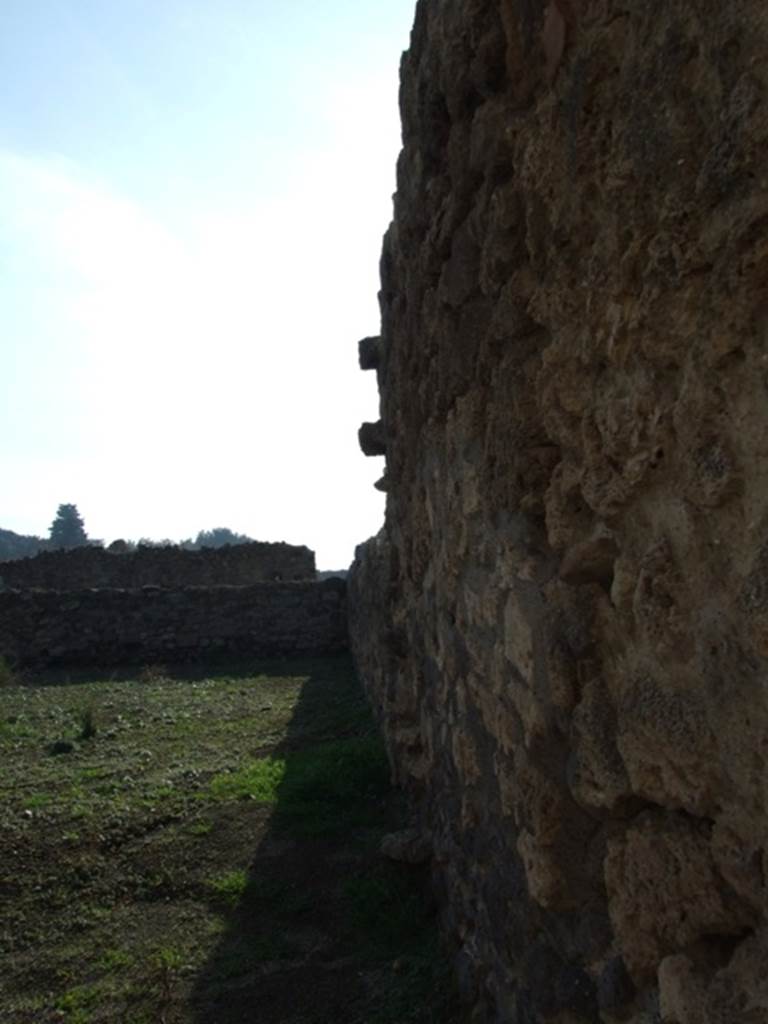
(370, 353)
(372, 438)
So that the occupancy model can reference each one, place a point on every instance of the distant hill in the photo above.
(327, 574)
(17, 545)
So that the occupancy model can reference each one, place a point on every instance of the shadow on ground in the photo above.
(321, 929)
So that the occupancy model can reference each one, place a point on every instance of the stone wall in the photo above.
(103, 628)
(238, 565)
(564, 623)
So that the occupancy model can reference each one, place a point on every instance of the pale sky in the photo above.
(192, 200)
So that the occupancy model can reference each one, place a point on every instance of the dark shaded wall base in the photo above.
(103, 628)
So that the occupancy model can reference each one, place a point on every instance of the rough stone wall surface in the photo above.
(564, 622)
(238, 565)
(91, 628)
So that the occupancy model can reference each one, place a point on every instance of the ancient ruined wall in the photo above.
(102, 628)
(238, 565)
(564, 623)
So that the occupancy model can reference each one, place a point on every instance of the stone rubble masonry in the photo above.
(563, 625)
(237, 565)
(105, 628)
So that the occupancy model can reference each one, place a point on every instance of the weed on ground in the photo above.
(203, 849)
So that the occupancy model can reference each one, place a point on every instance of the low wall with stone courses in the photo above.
(101, 628)
(236, 565)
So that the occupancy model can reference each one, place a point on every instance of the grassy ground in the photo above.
(205, 851)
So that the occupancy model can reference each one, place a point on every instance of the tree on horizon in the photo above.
(219, 537)
(19, 545)
(68, 529)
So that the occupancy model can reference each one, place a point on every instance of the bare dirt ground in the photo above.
(203, 849)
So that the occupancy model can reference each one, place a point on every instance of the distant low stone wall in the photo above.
(102, 628)
(239, 565)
